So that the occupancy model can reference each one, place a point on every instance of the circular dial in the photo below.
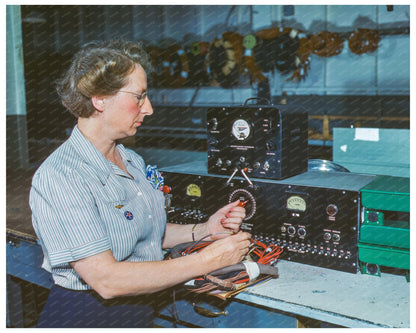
(193, 190)
(296, 202)
(241, 129)
(332, 210)
(244, 195)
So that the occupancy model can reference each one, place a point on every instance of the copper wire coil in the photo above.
(326, 44)
(363, 41)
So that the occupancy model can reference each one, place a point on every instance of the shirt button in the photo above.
(150, 216)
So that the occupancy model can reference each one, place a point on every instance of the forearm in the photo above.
(225, 220)
(182, 233)
(156, 276)
(110, 278)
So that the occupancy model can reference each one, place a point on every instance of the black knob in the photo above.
(291, 230)
(301, 232)
(270, 145)
(213, 124)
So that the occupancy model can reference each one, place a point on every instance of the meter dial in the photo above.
(296, 202)
(244, 195)
(241, 129)
(193, 190)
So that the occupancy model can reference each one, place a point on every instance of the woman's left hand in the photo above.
(226, 219)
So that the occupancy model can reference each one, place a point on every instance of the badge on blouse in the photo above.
(128, 215)
(119, 206)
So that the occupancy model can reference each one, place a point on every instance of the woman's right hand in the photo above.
(226, 251)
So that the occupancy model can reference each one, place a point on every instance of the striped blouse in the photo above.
(82, 205)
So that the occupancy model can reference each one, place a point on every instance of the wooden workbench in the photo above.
(344, 299)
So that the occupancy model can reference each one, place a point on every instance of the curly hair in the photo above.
(97, 69)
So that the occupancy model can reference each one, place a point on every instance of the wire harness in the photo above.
(259, 262)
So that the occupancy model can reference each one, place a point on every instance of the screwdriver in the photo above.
(242, 203)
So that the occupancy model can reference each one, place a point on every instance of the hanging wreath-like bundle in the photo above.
(303, 60)
(175, 66)
(249, 59)
(277, 49)
(156, 74)
(326, 44)
(363, 41)
(225, 59)
(197, 62)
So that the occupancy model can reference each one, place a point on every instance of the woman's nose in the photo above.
(147, 107)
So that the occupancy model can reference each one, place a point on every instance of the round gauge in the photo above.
(244, 195)
(241, 129)
(296, 202)
(332, 210)
(193, 190)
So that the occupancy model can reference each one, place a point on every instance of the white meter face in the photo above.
(241, 129)
(296, 203)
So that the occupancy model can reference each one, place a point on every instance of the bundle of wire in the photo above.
(229, 278)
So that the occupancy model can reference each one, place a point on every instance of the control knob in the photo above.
(302, 232)
(270, 145)
(213, 124)
(327, 236)
(291, 230)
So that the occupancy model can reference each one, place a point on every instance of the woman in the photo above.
(101, 224)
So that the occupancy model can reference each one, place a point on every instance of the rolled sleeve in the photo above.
(65, 217)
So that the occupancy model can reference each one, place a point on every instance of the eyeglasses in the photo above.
(140, 97)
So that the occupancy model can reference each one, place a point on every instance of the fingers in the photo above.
(233, 217)
(243, 237)
(232, 224)
(226, 251)
(242, 243)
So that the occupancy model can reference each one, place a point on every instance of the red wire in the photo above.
(266, 253)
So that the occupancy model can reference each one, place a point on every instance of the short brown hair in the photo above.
(97, 69)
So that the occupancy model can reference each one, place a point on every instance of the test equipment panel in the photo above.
(314, 216)
(265, 141)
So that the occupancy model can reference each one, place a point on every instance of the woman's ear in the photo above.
(98, 102)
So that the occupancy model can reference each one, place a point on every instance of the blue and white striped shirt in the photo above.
(82, 205)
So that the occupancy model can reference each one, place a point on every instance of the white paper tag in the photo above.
(367, 134)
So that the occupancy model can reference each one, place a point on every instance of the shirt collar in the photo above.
(124, 153)
(92, 156)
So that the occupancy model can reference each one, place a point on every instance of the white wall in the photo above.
(385, 72)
